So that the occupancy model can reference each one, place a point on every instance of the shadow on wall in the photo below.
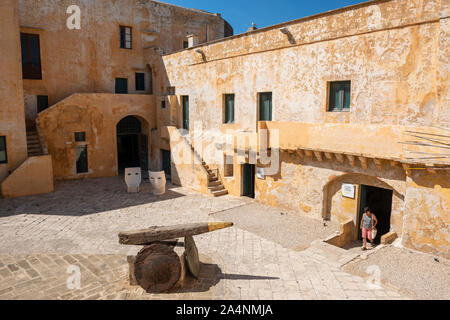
(84, 197)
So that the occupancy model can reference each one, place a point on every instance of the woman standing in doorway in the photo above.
(368, 223)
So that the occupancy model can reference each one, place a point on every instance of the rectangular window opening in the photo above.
(126, 39)
(186, 112)
(82, 159)
(229, 108)
(122, 85)
(3, 154)
(42, 103)
(140, 81)
(31, 56)
(339, 96)
(265, 106)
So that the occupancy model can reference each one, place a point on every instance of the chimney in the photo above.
(192, 40)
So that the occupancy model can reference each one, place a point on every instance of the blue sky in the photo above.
(241, 13)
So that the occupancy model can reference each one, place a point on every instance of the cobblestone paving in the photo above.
(42, 236)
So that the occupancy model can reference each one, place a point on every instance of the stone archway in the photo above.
(344, 209)
(132, 143)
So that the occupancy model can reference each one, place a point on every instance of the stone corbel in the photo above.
(328, 155)
(308, 153)
(351, 159)
(363, 161)
(378, 164)
(318, 155)
(339, 157)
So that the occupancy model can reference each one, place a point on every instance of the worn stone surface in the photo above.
(415, 274)
(42, 238)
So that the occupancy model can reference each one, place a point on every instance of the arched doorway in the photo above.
(132, 145)
(385, 200)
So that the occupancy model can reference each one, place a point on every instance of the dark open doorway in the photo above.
(166, 163)
(132, 145)
(380, 202)
(248, 180)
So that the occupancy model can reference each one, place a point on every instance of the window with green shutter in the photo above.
(339, 96)
(229, 108)
(186, 112)
(122, 85)
(265, 106)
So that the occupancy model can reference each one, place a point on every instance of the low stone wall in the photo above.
(34, 176)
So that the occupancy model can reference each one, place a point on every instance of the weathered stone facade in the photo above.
(394, 53)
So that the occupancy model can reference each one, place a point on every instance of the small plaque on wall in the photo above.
(260, 173)
(348, 190)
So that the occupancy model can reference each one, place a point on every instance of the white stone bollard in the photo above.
(158, 181)
(133, 179)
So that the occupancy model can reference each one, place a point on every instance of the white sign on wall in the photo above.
(348, 190)
(260, 173)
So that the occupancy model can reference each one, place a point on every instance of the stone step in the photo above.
(214, 183)
(219, 193)
(213, 179)
(216, 188)
(34, 144)
(35, 154)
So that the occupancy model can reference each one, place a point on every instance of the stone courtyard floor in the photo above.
(43, 238)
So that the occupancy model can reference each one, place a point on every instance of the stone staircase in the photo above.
(215, 186)
(33, 144)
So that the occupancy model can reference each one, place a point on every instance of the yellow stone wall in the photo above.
(34, 176)
(427, 212)
(88, 60)
(12, 121)
(97, 115)
(396, 55)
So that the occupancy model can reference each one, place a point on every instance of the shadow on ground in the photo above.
(84, 197)
(210, 276)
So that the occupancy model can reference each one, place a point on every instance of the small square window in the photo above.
(170, 91)
(140, 81)
(125, 37)
(3, 154)
(339, 96)
(80, 136)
